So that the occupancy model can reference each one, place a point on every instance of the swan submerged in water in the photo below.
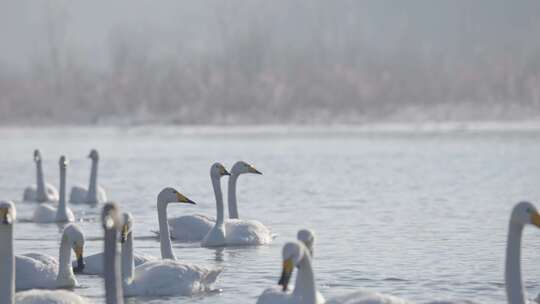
(94, 194)
(47, 213)
(234, 232)
(165, 277)
(35, 270)
(93, 264)
(41, 191)
(7, 269)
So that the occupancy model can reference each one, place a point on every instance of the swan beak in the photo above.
(535, 219)
(224, 171)
(286, 273)
(124, 234)
(183, 199)
(80, 259)
(253, 170)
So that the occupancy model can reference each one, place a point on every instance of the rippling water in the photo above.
(421, 215)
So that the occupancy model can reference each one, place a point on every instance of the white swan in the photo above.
(296, 254)
(307, 237)
(111, 222)
(94, 194)
(193, 228)
(93, 264)
(165, 277)
(41, 192)
(47, 213)
(523, 213)
(7, 269)
(234, 231)
(36, 270)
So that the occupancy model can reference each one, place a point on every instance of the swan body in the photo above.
(366, 297)
(234, 232)
(190, 228)
(40, 296)
(94, 194)
(7, 269)
(48, 213)
(42, 271)
(41, 191)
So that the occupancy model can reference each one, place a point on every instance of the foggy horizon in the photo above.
(257, 62)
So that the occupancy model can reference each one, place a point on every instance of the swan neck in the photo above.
(512, 270)
(40, 183)
(231, 196)
(216, 184)
(65, 269)
(113, 285)
(61, 213)
(164, 234)
(127, 258)
(92, 187)
(7, 265)
(305, 290)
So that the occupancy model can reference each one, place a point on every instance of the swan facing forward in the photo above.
(296, 255)
(47, 213)
(234, 232)
(41, 191)
(94, 194)
(7, 269)
(36, 270)
(93, 264)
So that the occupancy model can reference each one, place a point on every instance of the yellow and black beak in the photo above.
(80, 259)
(124, 233)
(254, 171)
(286, 273)
(223, 171)
(535, 219)
(5, 216)
(183, 199)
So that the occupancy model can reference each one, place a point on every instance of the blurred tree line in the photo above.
(291, 61)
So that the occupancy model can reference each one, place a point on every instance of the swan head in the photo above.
(110, 218)
(7, 213)
(74, 236)
(218, 170)
(63, 162)
(307, 237)
(241, 167)
(293, 252)
(94, 155)
(525, 213)
(37, 156)
(171, 195)
(126, 227)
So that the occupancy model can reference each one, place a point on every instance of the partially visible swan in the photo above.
(35, 270)
(296, 254)
(47, 213)
(94, 194)
(307, 237)
(193, 228)
(7, 269)
(110, 219)
(523, 213)
(234, 231)
(41, 191)
(93, 264)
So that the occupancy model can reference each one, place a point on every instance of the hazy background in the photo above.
(260, 61)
